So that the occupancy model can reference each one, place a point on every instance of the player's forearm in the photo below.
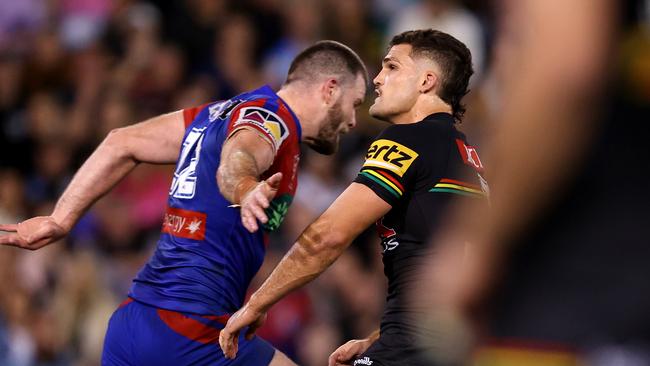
(104, 169)
(373, 336)
(237, 175)
(316, 249)
(321, 243)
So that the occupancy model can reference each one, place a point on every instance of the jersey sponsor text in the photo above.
(390, 155)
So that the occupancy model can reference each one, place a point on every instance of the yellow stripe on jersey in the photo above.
(456, 186)
(383, 179)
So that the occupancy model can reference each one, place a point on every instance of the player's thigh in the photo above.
(117, 350)
(280, 359)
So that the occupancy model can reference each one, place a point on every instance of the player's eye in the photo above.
(392, 66)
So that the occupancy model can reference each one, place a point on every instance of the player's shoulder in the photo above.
(264, 111)
(437, 124)
(425, 134)
(263, 98)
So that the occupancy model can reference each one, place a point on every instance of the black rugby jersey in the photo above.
(418, 169)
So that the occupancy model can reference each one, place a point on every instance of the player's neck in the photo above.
(422, 108)
(298, 102)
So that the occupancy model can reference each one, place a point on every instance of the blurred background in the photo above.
(72, 70)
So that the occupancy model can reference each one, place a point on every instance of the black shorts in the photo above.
(393, 350)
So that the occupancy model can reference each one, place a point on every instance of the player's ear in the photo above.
(428, 82)
(330, 90)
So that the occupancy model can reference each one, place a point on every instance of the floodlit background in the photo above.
(72, 70)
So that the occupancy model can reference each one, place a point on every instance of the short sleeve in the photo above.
(390, 165)
(256, 116)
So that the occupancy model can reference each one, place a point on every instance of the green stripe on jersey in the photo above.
(386, 186)
(456, 191)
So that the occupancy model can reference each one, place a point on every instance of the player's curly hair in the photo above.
(453, 57)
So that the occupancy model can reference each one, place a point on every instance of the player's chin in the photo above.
(376, 111)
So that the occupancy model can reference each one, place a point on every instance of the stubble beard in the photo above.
(327, 140)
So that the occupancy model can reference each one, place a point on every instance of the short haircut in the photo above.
(453, 57)
(326, 58)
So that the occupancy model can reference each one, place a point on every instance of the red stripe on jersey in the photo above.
(223, 319)
(190, 113)
(395, 182)
(126, 302)
(287, 117)
(464, 184)
(188, 327)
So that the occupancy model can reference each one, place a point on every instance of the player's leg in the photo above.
(143, 335)
(117, 349)
(176, 339)
(280, 359)
(137, 336)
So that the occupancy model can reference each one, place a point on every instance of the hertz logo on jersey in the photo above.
(390, 155)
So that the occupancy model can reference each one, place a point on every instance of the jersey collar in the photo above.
(268, 90)
(440, 116)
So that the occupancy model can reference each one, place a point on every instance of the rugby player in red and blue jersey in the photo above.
(236, 164)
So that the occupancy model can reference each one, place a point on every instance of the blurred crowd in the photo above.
(72, 70)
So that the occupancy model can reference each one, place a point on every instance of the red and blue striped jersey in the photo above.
(205, 258)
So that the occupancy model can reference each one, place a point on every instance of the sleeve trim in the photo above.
(380, 179)
(259, 132)
(189, 114)
(382, 191)
(373, 177)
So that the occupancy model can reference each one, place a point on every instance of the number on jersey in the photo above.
(184, 183)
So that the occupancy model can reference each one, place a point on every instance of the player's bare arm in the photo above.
(315, 250)
(155, 141)
(245, 156)
(352, 349)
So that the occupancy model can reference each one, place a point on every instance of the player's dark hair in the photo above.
(326, 58)
(453, 57)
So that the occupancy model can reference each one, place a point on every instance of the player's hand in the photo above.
(229, 336)
(32, 234)
(256, 200)
(345, 354)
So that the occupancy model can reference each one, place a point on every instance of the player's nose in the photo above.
(377, 80)
(353, 121)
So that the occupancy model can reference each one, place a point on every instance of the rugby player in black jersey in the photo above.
(412, 171)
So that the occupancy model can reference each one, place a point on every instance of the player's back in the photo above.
(205, 258)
